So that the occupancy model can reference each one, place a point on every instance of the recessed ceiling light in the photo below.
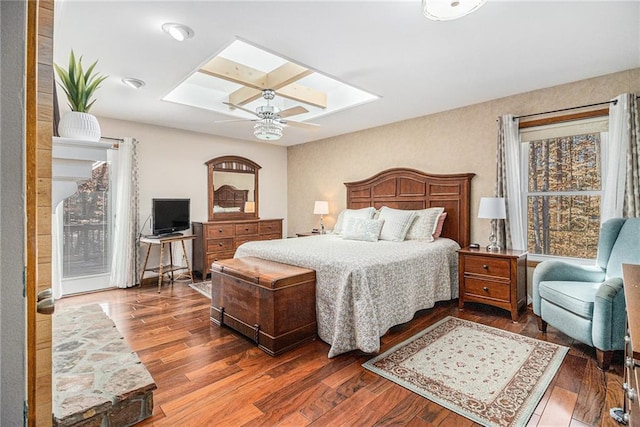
(445, 10)
(179, 32)
(133, 83)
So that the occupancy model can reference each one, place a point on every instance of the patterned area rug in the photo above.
(203, 287)
(493, 377)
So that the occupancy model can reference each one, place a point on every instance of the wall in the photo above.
(12, 136)
(455, 141)
(171, 164)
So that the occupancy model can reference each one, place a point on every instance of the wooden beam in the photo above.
(282, 80)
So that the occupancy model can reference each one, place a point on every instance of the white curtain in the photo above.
(512, 233)
(615, 162)
(124, 175)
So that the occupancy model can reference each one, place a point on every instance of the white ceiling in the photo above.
(388, 48)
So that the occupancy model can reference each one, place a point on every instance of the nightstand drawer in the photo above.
(487, 289)
(487, 266)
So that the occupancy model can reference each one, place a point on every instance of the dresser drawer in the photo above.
(270, 236)
(217, 256)
(487, 266)
(487, 289)
(270, 228)
(220, 230)
(247, 229)
(220, 245)
(243, 239)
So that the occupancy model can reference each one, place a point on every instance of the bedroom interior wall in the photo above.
(456, 141)
(171, 164)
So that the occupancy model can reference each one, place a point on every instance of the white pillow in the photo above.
(364, 213)
(396, 223)
(424, 225)
(362, 229)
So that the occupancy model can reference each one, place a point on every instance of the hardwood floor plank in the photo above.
(210, 375)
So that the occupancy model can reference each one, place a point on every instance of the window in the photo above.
(562, 168)
(86, 249)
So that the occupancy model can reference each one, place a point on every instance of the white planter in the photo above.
(79, 126)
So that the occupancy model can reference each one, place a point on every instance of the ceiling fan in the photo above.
(268, 125)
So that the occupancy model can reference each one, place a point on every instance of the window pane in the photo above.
(569, 163)
(86, 238)
(563, 225)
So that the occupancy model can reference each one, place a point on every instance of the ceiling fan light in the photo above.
(445, 10)
(267, 130)
(179, 32)
(133, 83)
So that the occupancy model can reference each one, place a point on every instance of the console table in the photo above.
(162, 269)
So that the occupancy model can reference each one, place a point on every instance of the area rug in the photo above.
(491, 376)
(203, 287)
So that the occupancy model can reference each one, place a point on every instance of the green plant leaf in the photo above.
(79, 85)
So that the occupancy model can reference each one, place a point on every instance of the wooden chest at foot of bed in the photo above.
(274, 304)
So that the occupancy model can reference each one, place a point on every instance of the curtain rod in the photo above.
(615, 101)
(112, 139)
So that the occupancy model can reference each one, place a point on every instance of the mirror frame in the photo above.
(235, 164)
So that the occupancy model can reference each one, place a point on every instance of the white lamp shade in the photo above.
(249, 207)
(321, 207)
(492, 208)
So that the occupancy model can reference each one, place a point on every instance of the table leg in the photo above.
(160, 267)
(144, 267)
(171, 261)
(186, 259)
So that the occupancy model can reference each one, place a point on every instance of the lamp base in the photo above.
(494, 247)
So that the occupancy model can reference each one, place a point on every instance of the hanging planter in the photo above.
(79, 87)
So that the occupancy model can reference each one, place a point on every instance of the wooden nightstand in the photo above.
(494, 278)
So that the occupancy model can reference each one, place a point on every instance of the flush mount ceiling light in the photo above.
(179, 32)
(133, 83)
(445, 10)
(267, 130)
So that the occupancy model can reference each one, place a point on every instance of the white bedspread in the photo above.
(364, 288)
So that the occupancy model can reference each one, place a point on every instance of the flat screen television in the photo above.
(170, 216)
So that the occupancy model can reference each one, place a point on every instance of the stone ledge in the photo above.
(97, 379)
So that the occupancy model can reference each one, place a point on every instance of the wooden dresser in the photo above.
(631, 407)
(494, 278)
(216, 240)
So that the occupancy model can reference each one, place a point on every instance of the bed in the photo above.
(229, 199)
(364, 288)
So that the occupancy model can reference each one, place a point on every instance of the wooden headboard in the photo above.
(228, 196)
(402, 188)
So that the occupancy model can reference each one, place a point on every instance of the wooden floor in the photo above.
(208, 375)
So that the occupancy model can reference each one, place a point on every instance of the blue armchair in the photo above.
(587, 302)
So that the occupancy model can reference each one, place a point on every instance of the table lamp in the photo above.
(492, 208)
(321, 207)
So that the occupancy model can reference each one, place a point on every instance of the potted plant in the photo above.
(79, 86)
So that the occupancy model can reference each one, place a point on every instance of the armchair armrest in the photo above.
(609, 316)
(551, 271)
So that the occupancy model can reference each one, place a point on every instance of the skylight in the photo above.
(240, 72)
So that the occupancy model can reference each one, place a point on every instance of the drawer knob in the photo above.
(486, 289)
(219, 230)
(485, 266)
(220, 244)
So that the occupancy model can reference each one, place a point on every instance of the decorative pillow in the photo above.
(439, 225)
(364, 213)
(362, 229)
(424, 225)
(396, 223)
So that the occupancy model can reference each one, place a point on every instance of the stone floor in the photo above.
(97, 379)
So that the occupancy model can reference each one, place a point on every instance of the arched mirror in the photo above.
(233, 188)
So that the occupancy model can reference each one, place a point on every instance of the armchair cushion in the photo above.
(576, 297)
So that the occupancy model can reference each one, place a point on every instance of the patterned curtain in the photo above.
(124, 261)
(632, 181)
(510, 231)
(621, 185)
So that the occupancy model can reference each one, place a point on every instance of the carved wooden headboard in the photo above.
(402, 188)
(228, 196)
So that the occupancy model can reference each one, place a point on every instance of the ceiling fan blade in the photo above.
(240, 108)
(233, 120)
(293, 111)
(300, 124)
